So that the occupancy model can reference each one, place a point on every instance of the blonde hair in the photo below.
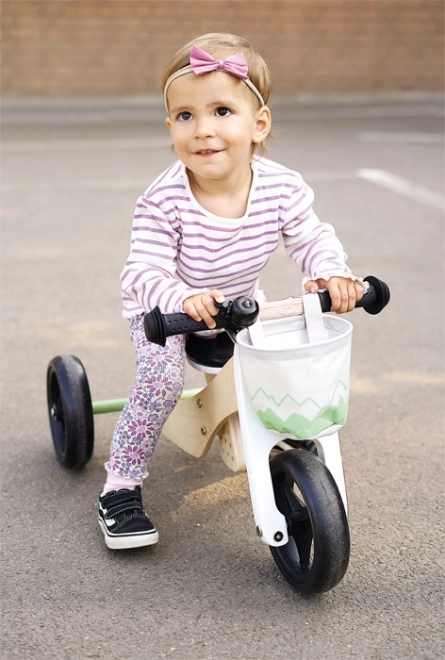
(220, 45)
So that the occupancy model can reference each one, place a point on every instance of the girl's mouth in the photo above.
(206, 152)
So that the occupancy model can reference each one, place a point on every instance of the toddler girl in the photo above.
(202, 232)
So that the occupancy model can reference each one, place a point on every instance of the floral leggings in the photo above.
(157, 388)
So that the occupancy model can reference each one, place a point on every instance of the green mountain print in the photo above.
(303, 420)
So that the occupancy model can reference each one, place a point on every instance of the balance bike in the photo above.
(294, 466)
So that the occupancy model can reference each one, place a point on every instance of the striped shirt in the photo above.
(179, 249)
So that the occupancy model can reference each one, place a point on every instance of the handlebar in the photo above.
(234, 315)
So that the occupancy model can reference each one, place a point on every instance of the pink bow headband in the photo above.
(202, 62)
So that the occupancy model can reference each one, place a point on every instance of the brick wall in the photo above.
(61, 47)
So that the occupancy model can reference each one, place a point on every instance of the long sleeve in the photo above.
(149, 276)
(312, 244)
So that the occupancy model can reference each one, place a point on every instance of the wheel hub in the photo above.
(56, 412)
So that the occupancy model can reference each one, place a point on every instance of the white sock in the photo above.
(115, 482)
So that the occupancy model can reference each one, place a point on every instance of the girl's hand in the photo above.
(344, 292)
(201, 306)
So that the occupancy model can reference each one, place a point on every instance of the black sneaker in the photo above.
(123, 520)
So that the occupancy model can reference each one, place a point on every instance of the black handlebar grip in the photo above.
(159, 326)
(380, 298)
(373, 301)
(234, 315)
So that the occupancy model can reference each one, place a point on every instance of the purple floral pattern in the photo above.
(157, 388)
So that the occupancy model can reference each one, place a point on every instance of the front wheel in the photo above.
(316, 556)
(70, 411)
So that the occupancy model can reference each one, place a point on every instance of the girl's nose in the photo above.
(205, 127)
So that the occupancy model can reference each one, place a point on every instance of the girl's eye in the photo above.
(185, 116)
(223, 112)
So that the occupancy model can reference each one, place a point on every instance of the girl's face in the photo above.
(214, 123)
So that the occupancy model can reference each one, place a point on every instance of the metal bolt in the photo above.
(259, 531)
(199, 403)
(278, 536)
(203, 430)
(53, 412)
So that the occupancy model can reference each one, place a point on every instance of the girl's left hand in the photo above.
(344, 292)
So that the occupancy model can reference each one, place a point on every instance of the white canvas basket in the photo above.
(298, 388)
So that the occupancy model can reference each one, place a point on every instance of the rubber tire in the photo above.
(70, 411)
(320, 523)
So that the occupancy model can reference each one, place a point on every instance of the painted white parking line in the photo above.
(81, 145)
(403, 138)
(403, 187)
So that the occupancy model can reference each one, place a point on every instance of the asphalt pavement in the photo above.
(71, 173)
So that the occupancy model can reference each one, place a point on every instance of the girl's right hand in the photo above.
(201, 307)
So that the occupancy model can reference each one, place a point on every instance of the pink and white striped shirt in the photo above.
(179, 249)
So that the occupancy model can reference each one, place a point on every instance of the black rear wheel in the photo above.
(70, 411)
(316, 556)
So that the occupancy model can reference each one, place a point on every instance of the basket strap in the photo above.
(314, 318)
(257, 336)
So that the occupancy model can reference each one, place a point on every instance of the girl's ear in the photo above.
(263, 124)
(168, 121)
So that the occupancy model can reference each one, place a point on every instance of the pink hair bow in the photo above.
(202, 62)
